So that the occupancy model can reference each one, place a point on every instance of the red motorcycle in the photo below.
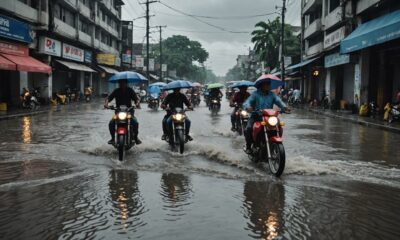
(268, 142)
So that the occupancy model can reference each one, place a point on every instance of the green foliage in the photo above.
(267, 39)
(234, 74)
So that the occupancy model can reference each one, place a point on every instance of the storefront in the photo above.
(68, 63)
(108, 65)
(17, 68)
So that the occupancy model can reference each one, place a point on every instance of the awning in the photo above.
(28, 64)
(304, 63)
(76, 66)
(6, 64)
(108, 69)
(376, 31)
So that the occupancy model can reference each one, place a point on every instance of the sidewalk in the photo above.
(366, 121)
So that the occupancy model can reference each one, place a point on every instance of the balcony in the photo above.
(25, 12)
(363, 5)
(84, 10)
(113, 32)
(333, 18)
(313, 28)
(311, 5)
(110, 8)
(64, 29)
(85, 38)
(72, 3)
(314, 50)
(96, 43)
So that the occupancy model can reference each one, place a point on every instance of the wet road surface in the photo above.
(60, 180)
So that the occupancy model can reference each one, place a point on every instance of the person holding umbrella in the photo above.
(261, 99)
(176, 99)
(237, 101)
(124, 95)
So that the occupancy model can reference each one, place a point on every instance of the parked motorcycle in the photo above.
(268, 142)
(373, 109)
(177, 133)
(124, 139)
(242, 117)
(88, 93)
(394, 113)
(30, 100)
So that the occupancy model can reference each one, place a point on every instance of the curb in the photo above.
(358, 121)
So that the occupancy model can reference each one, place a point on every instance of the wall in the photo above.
(348, 83)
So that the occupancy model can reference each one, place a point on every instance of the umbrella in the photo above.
(159, 84)
(215, 85)
(132, 77)
(196, 84)
(269, 78)
(154, 91)
(178, 84)
(242, 83)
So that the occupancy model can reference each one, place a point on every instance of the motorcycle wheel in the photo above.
(121, 145)
(239, 128)
(181, 141)
(278, 158)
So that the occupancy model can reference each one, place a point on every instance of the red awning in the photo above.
(28, 64)
(7, 64)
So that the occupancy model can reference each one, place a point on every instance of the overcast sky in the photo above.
(222, 46)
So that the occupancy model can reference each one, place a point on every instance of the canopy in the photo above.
(269, 78)
(177, 84)
(215, 85)
(108, 69)
(28, 64)
(243, 83)
(132, 77)
(376, 31)
(301, 64)
(6, 64)
(76, 66)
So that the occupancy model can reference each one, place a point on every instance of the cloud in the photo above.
(222, 46)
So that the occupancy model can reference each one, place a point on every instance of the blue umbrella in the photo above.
(242, 83)
(178, 84)
(159, 84)
(154, 91)
(132, 77)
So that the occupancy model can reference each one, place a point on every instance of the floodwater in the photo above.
(60, 180)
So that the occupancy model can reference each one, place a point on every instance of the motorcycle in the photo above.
(153, 102)
(124, 139)
(268, 142)
(242, 117)
(30, 101)
(215, 105)
(394, 113)
(372, 109)
(229, 93)
(88, 93)
(177, 133)
(195, 99)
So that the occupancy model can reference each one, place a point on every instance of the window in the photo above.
(84, 27)
(333, 4)
(97, 33)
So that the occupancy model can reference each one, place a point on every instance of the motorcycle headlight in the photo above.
(215, 101)
(244, 113)
(272, 121)
(179, 117)
(122, 115)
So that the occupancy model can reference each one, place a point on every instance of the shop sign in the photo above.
(126, 58)
(336, 59)
(50, 46)
(14, 49)
(106, 59)
(334, 37)
(88, 57)
(16, 30)
(164, 67)
(139, 61)
(73, 53)
(118, 62)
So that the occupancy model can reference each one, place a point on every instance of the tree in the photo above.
(267, 40)
(234, 74)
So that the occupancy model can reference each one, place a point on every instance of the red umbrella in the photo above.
(269, 78)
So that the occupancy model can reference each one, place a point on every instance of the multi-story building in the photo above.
(350, 74)
(79, 39)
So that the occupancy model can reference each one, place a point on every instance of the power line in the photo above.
(200, 20)
(237, 17)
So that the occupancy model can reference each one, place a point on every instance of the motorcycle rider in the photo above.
(123, 96)
(238, 98)
(263, 98)
(215, 93)
(176, 99)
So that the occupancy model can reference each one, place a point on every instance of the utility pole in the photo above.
(283, 42)
(148, 35)
(161, 55)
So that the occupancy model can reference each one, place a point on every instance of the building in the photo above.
(336, 63)
(79, 39)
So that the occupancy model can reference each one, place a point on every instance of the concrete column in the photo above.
(23, 80)
(328, 81)
(50, 86)
(81, 81)
(364, 60)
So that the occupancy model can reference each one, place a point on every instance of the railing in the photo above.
(313, 28)
(333, 18)
(64, 29)
(315, 49)
(85, 38)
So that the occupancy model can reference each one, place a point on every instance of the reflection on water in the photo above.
(127, 202)
(26, 130)
(176, 191)
(263, 204)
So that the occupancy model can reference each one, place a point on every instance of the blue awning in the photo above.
(304, 63)
(376, 31)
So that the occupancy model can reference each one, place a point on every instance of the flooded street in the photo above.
(60, 180)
